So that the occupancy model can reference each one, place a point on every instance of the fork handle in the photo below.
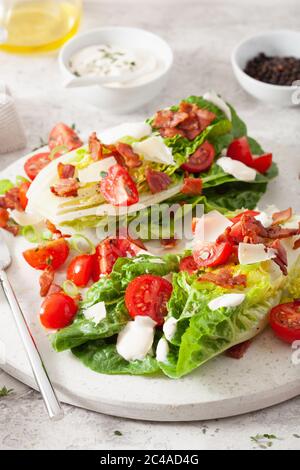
(53, 406)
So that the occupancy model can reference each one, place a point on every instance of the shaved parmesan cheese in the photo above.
(210, 226)
(169, 328)
(237, 169)
(26, 218)
(137, 130)
(96, 313)
(293, 222)
(265, 216)
(256, 253)
(155, 150)
(91, 173)
(136, 339)
(162, 350)
(226, 300)
(217, 101)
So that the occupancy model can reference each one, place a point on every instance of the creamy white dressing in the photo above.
(135, 340)
(237, 169)
(162, 350)
(226, 300)
(137, 65)
(169, 328)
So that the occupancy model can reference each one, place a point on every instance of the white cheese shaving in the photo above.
(91, 173)
(254, 253)
(226, 300)
(162, 350)
(96, 312)
(265, 216)
(210, 226)
(237, 169)
(137, 130)
(25, 218)
(155, 150)
(217, 101)
(135, 340)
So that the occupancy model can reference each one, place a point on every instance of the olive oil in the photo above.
(38, 25)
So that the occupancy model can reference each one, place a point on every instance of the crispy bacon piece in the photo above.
(296, 244)
(282, 216)
(281, 256)
(4, 216)
(276, 232)
(168, 242)
(11, 200)
(192, 186)
(65, 187)
(46, 280)
(65, 171)
(157, 180)
(12, 227)
(238, 351)
(131, 159)
(224, 278)
(189, 121)
(54, 289)
(95, 147)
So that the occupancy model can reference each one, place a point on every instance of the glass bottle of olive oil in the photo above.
(28, 26)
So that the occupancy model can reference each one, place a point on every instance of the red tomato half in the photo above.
(62, 134)
(80, 269)
(147, 295)
(238, 217)
(23, 188)
(201, 160)
(240, 150)
(57, 311)
(36, 163)
(212, 254)
(188, 264)
(118, 187)
(262, 163)
(285, 321)
(53, 254)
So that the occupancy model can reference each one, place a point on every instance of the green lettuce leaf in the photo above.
(202, 334)
(102, 357)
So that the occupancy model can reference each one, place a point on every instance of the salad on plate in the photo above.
(119, 307)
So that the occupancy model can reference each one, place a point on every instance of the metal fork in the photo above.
(53, 406)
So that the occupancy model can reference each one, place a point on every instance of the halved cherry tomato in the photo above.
(36, 163)
(80, 269)
(285, 321)
(263, 162)
(201, 159)
(212, 254)
(240, 150)
(188, 264)
(57, 311)
(118, 187)
(23, 188)
(147, 295)
(53, 254)
(4, 216)
(62, 134)
(238, 217)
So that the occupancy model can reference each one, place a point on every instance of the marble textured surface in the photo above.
(202, 34)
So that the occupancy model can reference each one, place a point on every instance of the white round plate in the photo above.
(222, 387)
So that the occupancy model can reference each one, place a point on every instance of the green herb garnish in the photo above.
(4, 392)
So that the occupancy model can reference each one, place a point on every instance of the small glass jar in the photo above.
(28, 26)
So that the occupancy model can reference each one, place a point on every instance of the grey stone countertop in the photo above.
(202, 34)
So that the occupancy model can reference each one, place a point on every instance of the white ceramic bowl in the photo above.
(273, 43)
(125, 99)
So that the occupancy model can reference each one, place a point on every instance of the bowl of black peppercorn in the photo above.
(267, 66)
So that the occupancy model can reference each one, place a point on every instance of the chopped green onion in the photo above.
(21, 179)
(77, 240)
(70, 288)
(58, 149)
(30, 233)
(5, 185)
(47, 235)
